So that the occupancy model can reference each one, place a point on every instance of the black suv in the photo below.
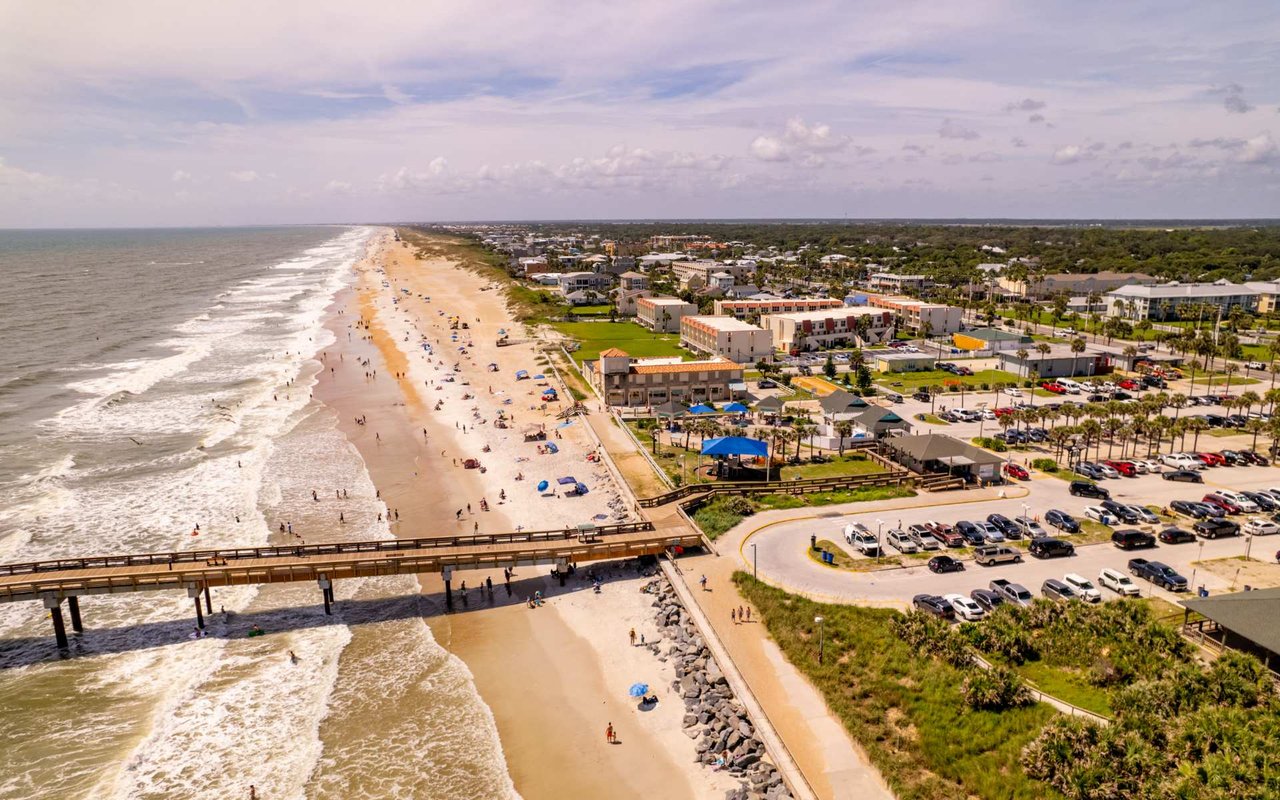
(1048, 547)
(1006, 526)
(1121, 512)
(921, 395)
(1175, 535)
(1132, 540)
(1086, 489)
(935, 605)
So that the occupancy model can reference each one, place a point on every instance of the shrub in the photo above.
(984, 386)
(990, 443)
(995, 689)
(1044, 464)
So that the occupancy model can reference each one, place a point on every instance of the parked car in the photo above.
(1048, 547)
(1118, 582)
(1124, 468)
(935, 605)
(1144, 515)
(1054, 387)
(1219, 500)
(1010, 592)
(1029, 527)
(1241, 502)
(1130, 539)
(1190, 508)
(1016, 471)
(971, 532)
(996, 554)
(1013, 391)
(1233, 457)
(1006, 525)
(1182, 461)
(1150, 465)
(921, 395)
(941, 564)
(1090, 471)
(1215, 528)
(901, 542)
(987, 599)
(923, 538)
(1255, 459)
(1175, 535)
(1160, 574)
(1055, 589)
(1256, 526)
(990, 533)
(1184, 475)
(1083, 587)
(965, 608)
(1121, 512)
(1263, 500)
(1107, 470)
(1062, 521)
(1100, 514)
(1211, 459)
(945, 533)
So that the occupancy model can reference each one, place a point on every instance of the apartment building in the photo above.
(743, 309)
(698, 274)
(1174, 300)
(584, 282)
(624, 381)
(663, 314)
(1040, 287)
(913, 315)
(813, 330)
(889, 282)
(726, 337)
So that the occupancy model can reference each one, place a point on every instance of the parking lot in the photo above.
(782, 558)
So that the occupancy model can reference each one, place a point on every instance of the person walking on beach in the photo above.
(733, 616)
(609, 735)
(703, 582)
(633, 637)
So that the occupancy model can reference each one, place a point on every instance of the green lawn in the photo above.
(934, 419)
(865, 494)
(908, 712)
(591, 311)
(1068, 685)
(635, 340)
(837, 467)
(937, 377)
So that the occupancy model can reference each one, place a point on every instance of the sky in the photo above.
(159, 114)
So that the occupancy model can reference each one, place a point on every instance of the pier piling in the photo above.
(73, 605)
(326, 591)
(208, 600)
(54, 604)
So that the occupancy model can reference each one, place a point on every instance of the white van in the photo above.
(1071, 386)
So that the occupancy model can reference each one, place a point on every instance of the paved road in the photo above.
(780, 542)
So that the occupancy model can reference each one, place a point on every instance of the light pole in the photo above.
(821, 641)
(1195, 566)
(879, 531)
(755, 562)
(1026, 510)
(1248, 543)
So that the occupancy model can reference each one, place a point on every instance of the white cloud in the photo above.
(243, 175)
(1068, 155)
(1259, 150)
(180, 175)
(1025, 104)
(769, 148)
(337, 187)
(953, 130)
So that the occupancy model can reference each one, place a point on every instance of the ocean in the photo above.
(154, 396)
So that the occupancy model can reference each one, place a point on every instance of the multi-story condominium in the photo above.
(624, 381)
(584, 282)
(663, 314)
(1172, 301)
(726, 337)
(1268, 295)
(742, 309)
(913, 315)
(697, 274)
(1039, 287)
(812, 330)
(889, 282)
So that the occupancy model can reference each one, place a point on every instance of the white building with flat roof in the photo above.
(1174, 300)
(727, 337)
(814, 330)
(663, 314)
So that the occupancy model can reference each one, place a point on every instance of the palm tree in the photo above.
(1043, 349)
(801, 428)
(1255, 426)
(1249, 399)
(1178, 402)
(1022, 356)
(1077, 347)
(844, 429)
(1196, 425)
(1273, 350)
(1231, 368)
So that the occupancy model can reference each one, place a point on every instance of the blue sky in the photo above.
(231, 113)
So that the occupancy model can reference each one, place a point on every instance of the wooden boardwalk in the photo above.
(53, 582)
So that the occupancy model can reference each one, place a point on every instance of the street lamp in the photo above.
(1248, 543)
(1196, 566)
(818, 621)
(879, 531)
(755, 562)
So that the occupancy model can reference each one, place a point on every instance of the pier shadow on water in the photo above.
(18, 652)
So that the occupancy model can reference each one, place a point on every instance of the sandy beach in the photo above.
(404, 386)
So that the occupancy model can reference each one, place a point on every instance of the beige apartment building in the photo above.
(663, 314)
(914, 314)
(814, 330)
(624, 381)
(742, 309)
(726, 337)
(1073, 284)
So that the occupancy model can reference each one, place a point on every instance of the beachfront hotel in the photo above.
(742, 309)
(726, 337)
(624, 381)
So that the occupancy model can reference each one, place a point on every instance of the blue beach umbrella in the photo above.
(638, 689)
(542, 486)
(735, 408)
(702, 408)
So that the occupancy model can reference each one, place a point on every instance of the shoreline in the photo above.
(552, 677)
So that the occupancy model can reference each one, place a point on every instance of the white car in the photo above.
(988, 414)
(1013, 391)
(1257, 526)
(1139, 467)
(1153, 466)
(1246, 505)
(1083, 587)
(1100, 514)
(965, 608)
(1071, 386)
(1182, 461)
(1107, 472)
(901, 542)
(1118, 582)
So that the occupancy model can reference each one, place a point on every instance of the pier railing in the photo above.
(333, 548)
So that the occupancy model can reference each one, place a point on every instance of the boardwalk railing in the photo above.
(806, 486)
(334, 548)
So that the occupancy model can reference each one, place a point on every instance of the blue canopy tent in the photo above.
(522, 374)
(735, 446)
(734, 408)
(567, 480)
(701, 408)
